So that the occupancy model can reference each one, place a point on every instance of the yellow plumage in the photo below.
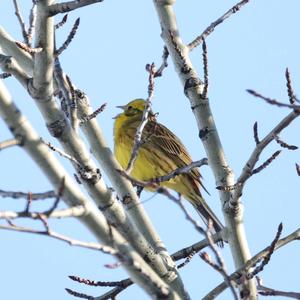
(160, 153)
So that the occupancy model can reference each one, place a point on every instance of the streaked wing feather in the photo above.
(170, 145)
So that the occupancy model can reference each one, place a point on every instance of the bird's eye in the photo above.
(129, 107)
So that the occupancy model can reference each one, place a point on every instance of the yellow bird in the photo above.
(160, 153)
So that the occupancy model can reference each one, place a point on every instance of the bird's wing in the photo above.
(168, 144)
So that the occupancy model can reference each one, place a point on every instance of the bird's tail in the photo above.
(207, 214)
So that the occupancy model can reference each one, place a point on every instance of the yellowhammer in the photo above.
(160, 153)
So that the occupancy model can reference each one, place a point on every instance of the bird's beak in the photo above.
(121, 107)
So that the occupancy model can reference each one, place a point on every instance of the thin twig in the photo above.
(205, 69)
(274, 101)
(113, 292)
(32, 19)
(89, 282)
(187, 260)
(69, 38)
(5, 75)
(21, 21)
(164, 63)
(298, 169)
(265, 291)
(62, 153)
(68, 240)
(79, 295)
(266, 163)
(72, 105)
(10, 143)
(28, 49)
(93, 115)
(179, 202)
(284, 144)
(138, 135)
(62, 22)
(58, 197)
(291, 94)
(220, 266)
(72, 212)
(198, 40)
(181, 170)
(22, 195)
(267, 257)
(29, 202)
(255, 132)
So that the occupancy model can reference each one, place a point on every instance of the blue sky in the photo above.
(107, 59)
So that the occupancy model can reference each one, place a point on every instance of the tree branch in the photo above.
(69, 6)
(295, 236)
(199, 39)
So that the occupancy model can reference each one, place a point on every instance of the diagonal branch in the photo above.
(254, 157)
(199, 39)
(295, 236)
(69, 6)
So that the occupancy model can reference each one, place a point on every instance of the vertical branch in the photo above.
(193, 89)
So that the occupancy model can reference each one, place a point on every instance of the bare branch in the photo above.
(10, 143)
(69, 6)
(265, 291)
(205, 69)
(284, 144)
(138, 135)
(114, 292)
(58, 197)
(76, 211)
(72, 105)
(298, 169)
(68, 240)
(79, 295)
(254, 157)
(4, 75)
(274, 101)
(89, 282)
(62, 153)
(220, 266)
(291, 94)
(62, 22)
(240, 273)
(22, 195)
(181, 170)
(28, 49)
(32, 19)
(93, 115)
(21, 21)
(69, 38)
(266, 163)
(199, 39)
(267, 257)
(164, 63)
(255, 132)
(185, 252)
(187, 260)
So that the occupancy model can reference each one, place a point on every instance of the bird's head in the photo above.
(133, 108)
(132, 111)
